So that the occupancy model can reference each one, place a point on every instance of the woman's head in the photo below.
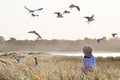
(87, 51)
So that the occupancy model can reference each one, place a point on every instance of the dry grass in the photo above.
(58, 68)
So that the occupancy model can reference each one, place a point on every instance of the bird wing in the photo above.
(31, 32)
(66, 11)
(37, 34)
(87, 18)
(33, 10)
(27, 8)
(56, 12)
(38, 9)
(72, 5)
(99, 40)
(91, 16)
(78, 8)
(34, 15)
(114, 34)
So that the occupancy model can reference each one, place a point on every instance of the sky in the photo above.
(16, 21)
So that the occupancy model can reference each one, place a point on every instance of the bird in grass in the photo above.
(89, 19)
(99, 40)
(34, 32)
(18, 60)
(32, 11)
(74, 6)
(59, 14)
(36, 61)
(114, 34)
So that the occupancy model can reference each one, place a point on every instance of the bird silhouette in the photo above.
(59, 14)
(74, 6)
(34, 32)
(114, 34)
(66, 11)
(89, 18)
(34, 15)
(99, 40)
(32, 11)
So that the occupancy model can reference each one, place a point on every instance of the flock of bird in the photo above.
(60, 15)
(100, 39)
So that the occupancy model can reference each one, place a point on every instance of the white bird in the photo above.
(74, 6)
(89, 18)
(32, 11)
(59, 15)
(39, 37)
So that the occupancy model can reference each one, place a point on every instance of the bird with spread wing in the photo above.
(114, 34)
(89, 19)
(59, 14)
(33, 11)
(74, 6)
(99, 40)
(34, 32)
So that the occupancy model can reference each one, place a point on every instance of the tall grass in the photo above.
(59, 68)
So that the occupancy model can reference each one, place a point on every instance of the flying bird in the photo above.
(89, 18)
(32, 11)
(66, 11)
(34, 15)
(59, 14)
(74, 6)
(99, 40)
(34, 32)
(114, 34)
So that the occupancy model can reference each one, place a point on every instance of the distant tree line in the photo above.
(111, 45)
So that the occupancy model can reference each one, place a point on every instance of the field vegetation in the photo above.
(53, 67)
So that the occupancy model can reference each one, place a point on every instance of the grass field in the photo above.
(58, 68)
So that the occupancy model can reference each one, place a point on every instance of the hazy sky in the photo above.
(16, 21)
